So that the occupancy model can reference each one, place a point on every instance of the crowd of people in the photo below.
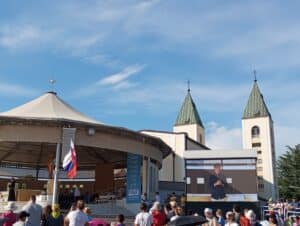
(282, 213)
(156, 213)
(158, 216)
(33, 214)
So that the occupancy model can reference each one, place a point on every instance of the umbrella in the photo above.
(188, 221)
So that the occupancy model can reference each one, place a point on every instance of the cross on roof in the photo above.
(188, 85)
(254, 72)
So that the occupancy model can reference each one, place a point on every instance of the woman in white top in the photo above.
(230, 219)
(143, 218)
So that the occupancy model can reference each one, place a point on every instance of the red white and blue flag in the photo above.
(70, 161)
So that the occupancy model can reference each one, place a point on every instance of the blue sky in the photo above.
(126, 63)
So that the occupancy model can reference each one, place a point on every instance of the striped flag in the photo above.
(70, 161)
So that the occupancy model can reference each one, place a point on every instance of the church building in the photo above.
(258, 134)
(191, 158)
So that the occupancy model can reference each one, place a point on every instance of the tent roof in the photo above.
(48, 107)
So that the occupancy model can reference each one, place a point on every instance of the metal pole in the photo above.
(56, 175)
(148, 179)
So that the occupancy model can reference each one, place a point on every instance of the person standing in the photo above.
(169, 212)
(220, 218)
(183, 201)
(45, 215)
(55, 218)
(244, 221)
(35, 211)
(157, 197)
(11, 190)
(211, 220)
(217, 184)
(77, 194)
(178, 213)
(9, 216)
(158, 216)
(230, 219)
(236, 213)
(143, 218)
(22, 219)
(120, 220)
(272, 220)
(88, 212)
(251, 216)
(77, 217)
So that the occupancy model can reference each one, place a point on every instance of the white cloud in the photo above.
(121, 76)
(14, 37)
(124, 85)
(261, 34)
(15, 90)
(220, 137)
(119, 81)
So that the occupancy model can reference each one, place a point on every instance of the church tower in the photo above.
(258, 133)
(188, 120)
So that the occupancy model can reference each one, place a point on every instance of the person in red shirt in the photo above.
(9, 215)
(244, 221)
(158, 216)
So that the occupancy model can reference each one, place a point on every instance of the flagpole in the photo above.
(56, 175)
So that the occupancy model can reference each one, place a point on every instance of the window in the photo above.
(255, 131)
(200, 180)
(259, 152)
(256, 145)
(188, 180)
(261, 186)
(200, 139)
(229, 180)
(259, 161)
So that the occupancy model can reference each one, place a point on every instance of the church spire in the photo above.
(256, 106)
(188, 113)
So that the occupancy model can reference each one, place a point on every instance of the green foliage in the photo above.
(289, 173)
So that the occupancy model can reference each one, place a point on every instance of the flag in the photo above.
(70, 161)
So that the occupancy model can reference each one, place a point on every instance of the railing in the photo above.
(284, 212)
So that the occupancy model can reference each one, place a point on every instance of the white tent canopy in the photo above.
(29, 134)
(48, 107)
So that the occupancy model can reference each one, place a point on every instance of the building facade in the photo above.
(188, 134)
(258, 134)
(188, 138)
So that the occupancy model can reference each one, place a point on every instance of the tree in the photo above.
(288, 166)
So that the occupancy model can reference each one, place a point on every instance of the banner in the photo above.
(133, 194)
(67, 136)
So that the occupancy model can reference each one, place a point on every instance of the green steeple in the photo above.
(256, 106)
(188, 113)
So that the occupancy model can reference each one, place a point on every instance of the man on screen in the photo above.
(217, 184)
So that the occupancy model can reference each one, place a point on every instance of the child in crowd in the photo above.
(120, 220)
